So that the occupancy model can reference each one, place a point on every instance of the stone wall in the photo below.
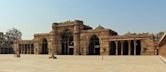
(162, 50)
(38, 39)
(162, 46)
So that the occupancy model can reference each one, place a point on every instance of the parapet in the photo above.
(67, 23)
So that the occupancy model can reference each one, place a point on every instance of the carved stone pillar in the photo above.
(135, 44)
(116, 43)
(122, 47)
(142, 46)
(55, 43)
(30, 49)
(76, 39)
(23, 48)
(37, 46)
(20, 49)
(17, 50)
(22, 45)
(129, 49)
(55, 39)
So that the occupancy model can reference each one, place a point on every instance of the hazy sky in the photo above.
(37, 16)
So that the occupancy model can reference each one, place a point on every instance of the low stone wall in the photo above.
(162, 51)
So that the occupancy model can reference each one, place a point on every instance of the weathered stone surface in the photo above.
(162, 44)
(73, 37)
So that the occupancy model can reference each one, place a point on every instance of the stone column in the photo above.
(20, 46)
(55, 37)
(17, 52)
(116, 43)
(85, 50)
(129, 49)
(122, 47)
(23, 49)
(30, 49)
(36, 46)
(56, 44)
(135, 47)
(33, 49)
(27, 49)
(1, 50)
(76, 39)
(86, 46)
(142, 46)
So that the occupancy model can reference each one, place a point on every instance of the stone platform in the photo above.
(42, 63)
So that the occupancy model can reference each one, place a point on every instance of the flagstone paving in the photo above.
(42, 63)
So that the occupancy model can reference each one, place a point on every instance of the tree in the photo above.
(159, 35)
(7, 40)
(13, 34)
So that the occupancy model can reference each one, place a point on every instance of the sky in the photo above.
(122, 16)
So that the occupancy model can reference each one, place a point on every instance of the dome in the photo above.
(100, 27)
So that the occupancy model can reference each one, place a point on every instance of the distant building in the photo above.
(75, 38)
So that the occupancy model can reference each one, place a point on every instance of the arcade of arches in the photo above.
(128, 47)
(26, 48)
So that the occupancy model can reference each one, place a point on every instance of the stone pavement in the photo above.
(42, 63)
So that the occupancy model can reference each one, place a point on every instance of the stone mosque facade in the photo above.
(76, 38)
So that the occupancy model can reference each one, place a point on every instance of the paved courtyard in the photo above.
(41, 63)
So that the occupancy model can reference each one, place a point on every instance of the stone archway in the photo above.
(44, 49)
(125, 48)
(94, 46)
(112, 49)
(67, 43)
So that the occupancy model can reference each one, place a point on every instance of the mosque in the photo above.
(77, 38)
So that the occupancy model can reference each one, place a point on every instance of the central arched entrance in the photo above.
(67, 43)
(94, 46)
(44, 49)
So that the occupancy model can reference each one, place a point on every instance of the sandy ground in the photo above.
(42, 63)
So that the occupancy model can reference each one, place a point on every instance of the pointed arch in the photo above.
(94, 45)
(67, 42)
(44, 49)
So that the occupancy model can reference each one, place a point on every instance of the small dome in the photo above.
(54, 24)
(100, 27)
